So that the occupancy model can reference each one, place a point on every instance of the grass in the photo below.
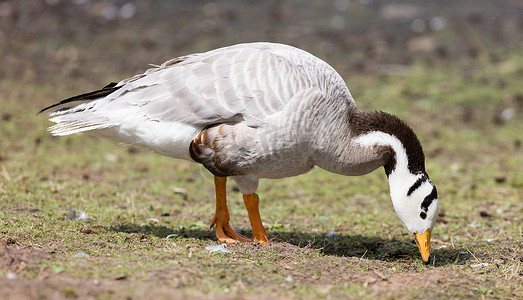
(333, 236)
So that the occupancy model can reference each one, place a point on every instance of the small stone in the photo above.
(178, 190)
(217, 248)
(81, 255)
(479, 265)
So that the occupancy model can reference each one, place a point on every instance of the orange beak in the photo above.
(423, 242)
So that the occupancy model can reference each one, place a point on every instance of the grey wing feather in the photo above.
(224, 85)
(245, 82)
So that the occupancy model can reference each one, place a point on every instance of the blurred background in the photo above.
(47, 40)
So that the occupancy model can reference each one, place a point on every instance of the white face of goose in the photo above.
(414, 196)
(415, 200)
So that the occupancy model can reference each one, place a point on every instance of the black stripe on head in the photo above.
(428, 200)
(417, 184)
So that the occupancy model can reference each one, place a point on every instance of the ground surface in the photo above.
(147, 224)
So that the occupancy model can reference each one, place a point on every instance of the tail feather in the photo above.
(71, 124)
(76, 114)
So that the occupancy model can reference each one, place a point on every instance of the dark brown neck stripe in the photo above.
(363, 122)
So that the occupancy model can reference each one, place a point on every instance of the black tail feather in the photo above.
(106, 90)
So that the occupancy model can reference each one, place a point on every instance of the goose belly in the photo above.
(263, 152)
(280, 166)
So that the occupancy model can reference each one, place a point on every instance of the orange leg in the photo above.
(224, 231)
(258, 231)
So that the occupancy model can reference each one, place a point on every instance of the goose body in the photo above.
(257, 110)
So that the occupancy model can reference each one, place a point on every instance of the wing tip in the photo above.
(106, 90)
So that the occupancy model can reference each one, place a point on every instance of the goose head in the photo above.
(415, 201)
(413, 194)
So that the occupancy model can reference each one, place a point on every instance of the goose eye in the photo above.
(423, 215)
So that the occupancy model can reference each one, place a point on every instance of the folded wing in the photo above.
(241, 83)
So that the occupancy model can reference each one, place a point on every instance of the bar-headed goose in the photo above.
(258, 110)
